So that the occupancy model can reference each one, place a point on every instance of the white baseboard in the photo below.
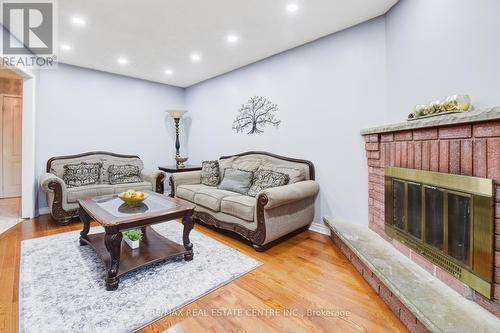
(43, 211)
(320, 228)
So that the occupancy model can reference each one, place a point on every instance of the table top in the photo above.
(110, 210)
(174, 169)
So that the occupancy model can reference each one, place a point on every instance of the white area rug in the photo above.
(61, 284)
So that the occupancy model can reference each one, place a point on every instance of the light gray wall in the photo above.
(82, 110)
(439, 48)
(326, 92)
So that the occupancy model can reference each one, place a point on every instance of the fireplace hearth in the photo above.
(446, 218)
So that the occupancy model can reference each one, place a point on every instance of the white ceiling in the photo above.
(155, 35)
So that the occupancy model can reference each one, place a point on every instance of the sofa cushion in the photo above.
(267, 179)
(235, 180)
(267, 161)
(187, 192)
(242, 206)
(211, 198)
(123, 173)
(107, 161)
(141, 186)
(247, 163)
(210, 173)
(295, 173)
(82, 174)
(224, 164)
(80, 192)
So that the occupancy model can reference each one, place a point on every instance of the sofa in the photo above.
(63, 200)
(272, 214)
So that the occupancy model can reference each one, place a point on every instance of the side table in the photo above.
(173, 169)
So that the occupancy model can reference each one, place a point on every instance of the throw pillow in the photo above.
(236, 180)
(124, 173)
(81, 174)
(210, 173)
(264, 179)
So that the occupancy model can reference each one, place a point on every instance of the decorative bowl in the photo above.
(133, 197)
(180, 161)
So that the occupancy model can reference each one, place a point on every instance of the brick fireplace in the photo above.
(463, 144)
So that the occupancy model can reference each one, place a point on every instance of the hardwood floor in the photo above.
(305, 273)
(9, 212)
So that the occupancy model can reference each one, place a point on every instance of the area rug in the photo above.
(61, 284)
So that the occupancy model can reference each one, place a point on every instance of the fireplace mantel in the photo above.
(441, 120)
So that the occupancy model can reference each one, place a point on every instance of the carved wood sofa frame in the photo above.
(58, 212)
(257, 236)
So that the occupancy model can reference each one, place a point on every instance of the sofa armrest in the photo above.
(282, 195)
(184, 178)
(155, 177)
(49, 181)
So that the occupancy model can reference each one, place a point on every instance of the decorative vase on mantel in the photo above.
(453, 103)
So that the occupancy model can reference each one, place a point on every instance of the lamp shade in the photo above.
(176, 114)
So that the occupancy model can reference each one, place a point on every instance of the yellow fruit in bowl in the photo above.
(133, 197)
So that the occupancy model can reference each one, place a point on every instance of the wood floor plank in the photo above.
(298, 278)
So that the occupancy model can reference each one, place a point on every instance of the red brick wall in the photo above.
(471, 149)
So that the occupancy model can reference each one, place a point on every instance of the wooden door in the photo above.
(11, 147)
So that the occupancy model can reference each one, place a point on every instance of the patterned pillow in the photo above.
(210, 173)
(236, 180)
(81, 174)
(123, 173)
(264, 179)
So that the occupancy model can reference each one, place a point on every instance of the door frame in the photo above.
(28, 174)
(2, 96)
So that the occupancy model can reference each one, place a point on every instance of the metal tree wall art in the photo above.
(255, 115)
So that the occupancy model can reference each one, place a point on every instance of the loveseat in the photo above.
(62, 199)
(271, 214)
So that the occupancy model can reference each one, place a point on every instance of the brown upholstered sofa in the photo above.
(272, 214)
(62, 200)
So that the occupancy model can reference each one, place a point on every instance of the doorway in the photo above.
(11, 85)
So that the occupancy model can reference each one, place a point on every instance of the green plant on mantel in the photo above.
(133, 234)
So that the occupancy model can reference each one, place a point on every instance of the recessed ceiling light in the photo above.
(195, 57)
(122, 61)
(78, 21)
(66, 47)
(293, 7)
(232, 38)
(168, 72)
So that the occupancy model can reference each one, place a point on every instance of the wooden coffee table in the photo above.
(115, 216)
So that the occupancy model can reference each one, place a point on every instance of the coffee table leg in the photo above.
(86, 226)
(113, 242)
(187, 221)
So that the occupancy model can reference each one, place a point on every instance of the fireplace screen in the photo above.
(446, 218)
